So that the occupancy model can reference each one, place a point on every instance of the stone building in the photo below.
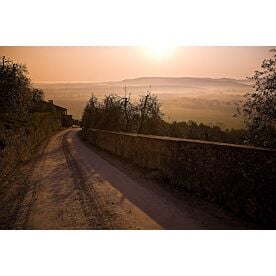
(59, 111)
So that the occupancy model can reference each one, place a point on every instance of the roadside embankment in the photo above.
(240, 178)
(19, 136)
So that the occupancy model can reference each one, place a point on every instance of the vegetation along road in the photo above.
(72, 185)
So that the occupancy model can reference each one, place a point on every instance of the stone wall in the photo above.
(240, 178)
(20, 136)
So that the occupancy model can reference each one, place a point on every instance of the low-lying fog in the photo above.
(210, 101)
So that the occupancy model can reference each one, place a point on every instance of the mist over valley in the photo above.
(206, 100)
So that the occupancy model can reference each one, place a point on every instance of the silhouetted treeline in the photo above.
(121, 114)
(192, 130)
(145, 117)
(259, 108)
(16, 92)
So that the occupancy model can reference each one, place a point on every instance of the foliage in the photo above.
(15, 90)
(259, 108)
(26, 120)
(192, 130)
(17, 96)
(37, 94)
(149, 113)
(121, 114)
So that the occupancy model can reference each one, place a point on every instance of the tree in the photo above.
(15, 89)
(113, 113)
(259, 108)
(121, 114)
(150, 114)
(37, 94)
(90, 115)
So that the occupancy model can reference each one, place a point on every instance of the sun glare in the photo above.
(160, 51)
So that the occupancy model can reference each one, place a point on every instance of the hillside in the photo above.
(185, 81)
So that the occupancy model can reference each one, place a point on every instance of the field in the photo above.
(210, 101)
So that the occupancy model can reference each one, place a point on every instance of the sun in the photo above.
(160, 51)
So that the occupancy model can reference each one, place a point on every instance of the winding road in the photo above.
(75, 186)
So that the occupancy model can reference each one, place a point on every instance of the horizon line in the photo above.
(135, 78)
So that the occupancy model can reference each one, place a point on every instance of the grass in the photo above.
(17, 121)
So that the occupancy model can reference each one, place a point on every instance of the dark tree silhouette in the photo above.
(117, 113)
(37, 94)
(259, 108)
(150, 114)
(15, 88)
(90, 116)
(121, 114)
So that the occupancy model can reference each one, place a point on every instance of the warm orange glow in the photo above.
(158, 58)
(160, 51)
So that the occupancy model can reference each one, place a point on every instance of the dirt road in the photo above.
(74, 186)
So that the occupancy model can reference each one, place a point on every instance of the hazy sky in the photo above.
(73, 64)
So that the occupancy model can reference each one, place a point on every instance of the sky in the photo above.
(111, 63)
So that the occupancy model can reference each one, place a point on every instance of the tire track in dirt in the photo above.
(59, 198)
(116, 210)
(86, 193)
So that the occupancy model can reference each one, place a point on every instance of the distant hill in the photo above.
(185, 81)
(160, 81)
